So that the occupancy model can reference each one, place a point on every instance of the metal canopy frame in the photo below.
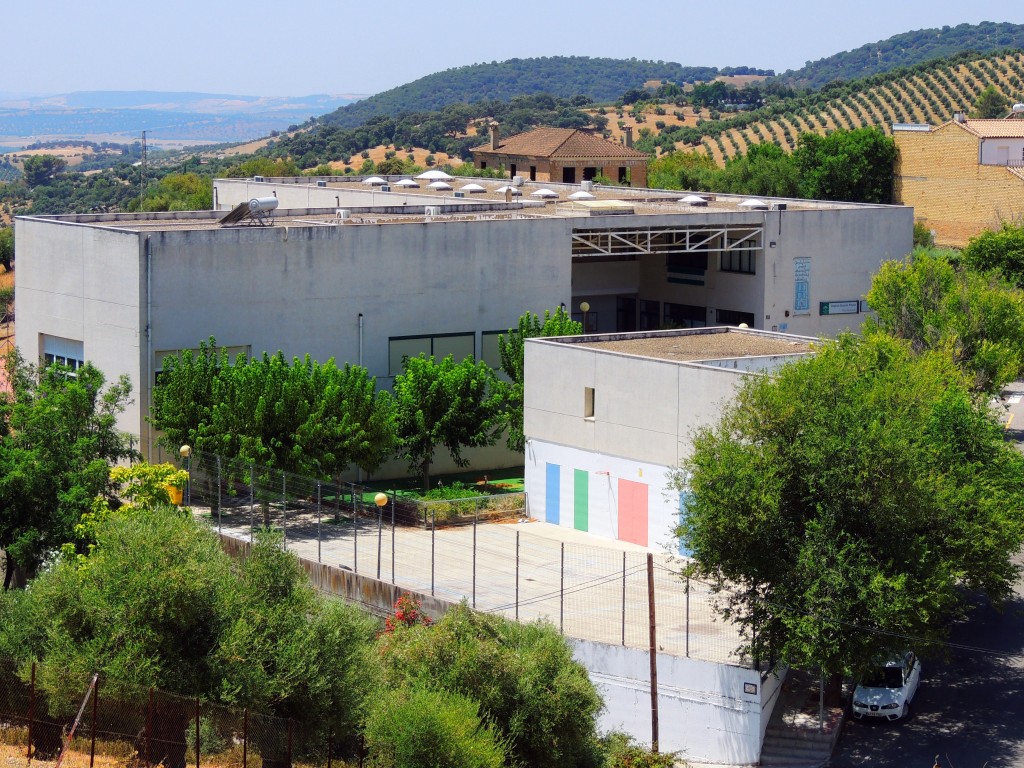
(648, 241)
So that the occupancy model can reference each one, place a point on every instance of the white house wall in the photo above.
(710, 713)
(83, 284)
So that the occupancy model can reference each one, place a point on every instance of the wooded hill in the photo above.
(922, 94)
(598, 79)
(906, 50)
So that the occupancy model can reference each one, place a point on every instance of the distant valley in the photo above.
(170, 119)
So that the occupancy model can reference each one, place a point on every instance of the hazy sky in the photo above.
(299, 47)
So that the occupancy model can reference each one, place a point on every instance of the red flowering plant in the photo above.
(408, 613)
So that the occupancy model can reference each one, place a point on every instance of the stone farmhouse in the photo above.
(963, 176)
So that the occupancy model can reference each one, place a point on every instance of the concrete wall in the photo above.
(85, 284)
(703, 711)
(937, 173)
(1002, 151)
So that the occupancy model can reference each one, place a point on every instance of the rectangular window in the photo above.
(589, 173)
(588, 402)
(489, 348)
(739, 258)
(533, 173)
(685, 315)
(512, 171)
(650, 315)
(731, 317)
(623, 175)
(63, 351)
(625, 313)
(439, 346)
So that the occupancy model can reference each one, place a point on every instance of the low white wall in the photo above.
(704, 712)
(599, 512)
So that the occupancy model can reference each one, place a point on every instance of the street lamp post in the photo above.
(584, 308)
(186, 453)
(380, 500)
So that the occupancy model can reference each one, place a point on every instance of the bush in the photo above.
(421, 727)
(623, 752)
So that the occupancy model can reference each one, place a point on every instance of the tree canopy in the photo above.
(1001, 249)
(510, 350)
(299, 416)
(977, 317)
(990, 104)
(842, 504)
(445, 403)
(58, 440)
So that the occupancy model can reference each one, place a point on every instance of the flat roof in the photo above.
(410, 206)
(696, 344)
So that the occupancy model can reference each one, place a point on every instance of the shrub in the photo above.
(421, 727)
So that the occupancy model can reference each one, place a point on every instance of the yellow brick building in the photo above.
(961, 177)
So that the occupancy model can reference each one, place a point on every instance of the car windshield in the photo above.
(883, 677)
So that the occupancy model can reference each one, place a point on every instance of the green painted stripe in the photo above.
(581, 499)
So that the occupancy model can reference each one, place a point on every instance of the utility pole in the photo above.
(142, 173)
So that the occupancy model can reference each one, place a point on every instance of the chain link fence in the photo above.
(465, 549)
(91, 728)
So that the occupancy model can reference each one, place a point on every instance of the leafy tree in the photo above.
(421, 728)
(447, 404)
(990, 104)
(765, 170)
(6, 247)
(180, 192)
(39, 169)
(1002, 249)
(856, 166)
(683, 170)
(923, 236)
(523, 676)
(58, 440)
(511, 352)
(300, 416)
(977, 317)
(843, 504)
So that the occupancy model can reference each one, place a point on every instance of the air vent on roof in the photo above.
(432, 210)
(517, 181)
(460, 193)
(587, 186)
(257, 178)
(321, 183)
(384, 188)
(343, 214)
(779, 206)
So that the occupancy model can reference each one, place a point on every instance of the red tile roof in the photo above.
(560, 143)
(1012, 128)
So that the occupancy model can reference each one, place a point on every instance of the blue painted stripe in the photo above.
(553, 494)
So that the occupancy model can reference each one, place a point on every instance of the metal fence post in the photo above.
(475, 515)
(517, 574)
(220, 508)
(653, 645)
(245, 736)
(623, 598)
(291, 724)
(92, 739)
(561, 591)
(197, 732)
(252, 502)
(31, 710)
(433, 528)
(284, 508)
(394, 497)
(355, 532)
(319, 559)
(149, 728)
(380, 535)
(687, 616)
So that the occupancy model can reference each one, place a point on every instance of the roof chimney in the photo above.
(628, 130)
(494, 135)
(960, 117)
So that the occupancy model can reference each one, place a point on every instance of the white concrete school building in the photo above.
(608, 417)
(348, 271)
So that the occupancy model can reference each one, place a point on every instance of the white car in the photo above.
(888, 689)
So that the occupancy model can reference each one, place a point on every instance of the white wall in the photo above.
(999, 151)
(703, 712)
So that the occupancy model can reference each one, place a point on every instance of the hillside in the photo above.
(906, 50)
(599, 79)
(929, 94)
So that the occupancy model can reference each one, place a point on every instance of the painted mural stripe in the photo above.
(553, 493)
(581, 499)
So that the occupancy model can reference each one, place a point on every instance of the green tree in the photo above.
(855, 166)
(6, 247)
(511, 352)
(1001, 249)
(844, 503)
(449, 404)
(990, 104)
(40, 169)
(978, 318)
(422, 728)
(180, 192)
(299, 416)
(765, 170)
(694, 171)
(523, 676)
(58, 440)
